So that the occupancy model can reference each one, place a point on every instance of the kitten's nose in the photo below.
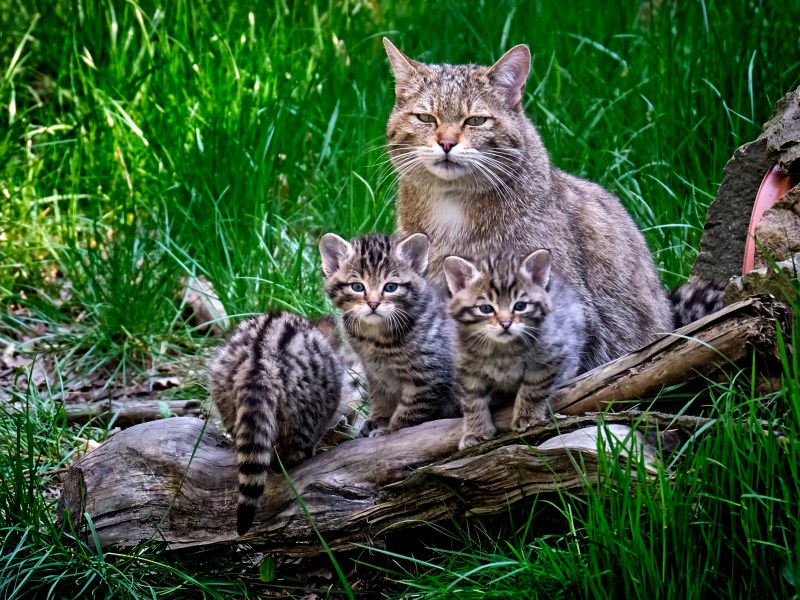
(373, 305)
(505, 324)
(447, 144)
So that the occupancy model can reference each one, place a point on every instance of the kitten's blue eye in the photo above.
(390, 287)
(520, 306)
(475, 121)
(426, 118)
(357, 287)
(486, 309)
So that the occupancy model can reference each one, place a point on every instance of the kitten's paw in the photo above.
(370, 426)
(380, 431)
(525, 422)
(469, 440)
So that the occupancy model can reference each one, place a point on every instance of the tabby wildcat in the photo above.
(475, 177)
(397, 324)
(276, 382)
(521, 334)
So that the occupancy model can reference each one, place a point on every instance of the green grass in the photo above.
(725, 524)
(142, 142)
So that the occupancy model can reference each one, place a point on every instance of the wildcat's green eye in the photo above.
(486, 309)
(426, 118)
(520, 306)
(475, 121)
(390, 287)
(357, 287)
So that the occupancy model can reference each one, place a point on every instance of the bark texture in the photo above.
(725, 232)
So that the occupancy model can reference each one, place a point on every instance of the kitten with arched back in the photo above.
(521, 335)
(475, 177)
(397, 324)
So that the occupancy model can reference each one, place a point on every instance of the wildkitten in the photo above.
(276, 382)
(475, 177)
(397, 324)
(521, 334)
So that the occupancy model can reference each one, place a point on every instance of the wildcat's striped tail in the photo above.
(255, 439)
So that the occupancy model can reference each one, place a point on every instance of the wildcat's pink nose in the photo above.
(447, 144)
(373, 305)
(505, 325)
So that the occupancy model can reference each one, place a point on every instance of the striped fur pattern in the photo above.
(276, 382)
(521, 334)
(694, 300)
(476, 178)
(397, 324)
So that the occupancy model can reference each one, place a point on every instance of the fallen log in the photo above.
(174, 480)
(700, 348)
(125, 411)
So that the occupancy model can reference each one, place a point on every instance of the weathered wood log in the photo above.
(175, 479)
(125, 411)
(697, 349)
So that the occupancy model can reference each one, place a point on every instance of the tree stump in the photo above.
(725, 232)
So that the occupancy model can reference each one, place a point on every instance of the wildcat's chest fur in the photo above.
(469, 223)
(505, 372)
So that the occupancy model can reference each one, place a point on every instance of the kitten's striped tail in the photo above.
(694, 300)
(255, 439)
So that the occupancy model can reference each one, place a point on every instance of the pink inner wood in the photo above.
(774, 185)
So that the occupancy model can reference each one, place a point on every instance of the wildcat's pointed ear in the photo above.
(334, 251)
(414, 250)
(510, 72)
(459, 273)
(537, 266)
(404, 68)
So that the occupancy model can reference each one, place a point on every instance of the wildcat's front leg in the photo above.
(415, 407)
(531, 406)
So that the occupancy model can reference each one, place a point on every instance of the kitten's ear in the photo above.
(459, 273)
(334, 251)
(404, 68)
(414, 249)
(537, 266)
(510, 72)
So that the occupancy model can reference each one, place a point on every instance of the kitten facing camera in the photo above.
(397, 324)
(521, 335)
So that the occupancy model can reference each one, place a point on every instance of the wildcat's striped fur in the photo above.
(694, 300)
(276, 383)
(521, 334)
(397, 324)
(475, 177)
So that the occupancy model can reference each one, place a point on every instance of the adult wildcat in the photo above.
(475, 177)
